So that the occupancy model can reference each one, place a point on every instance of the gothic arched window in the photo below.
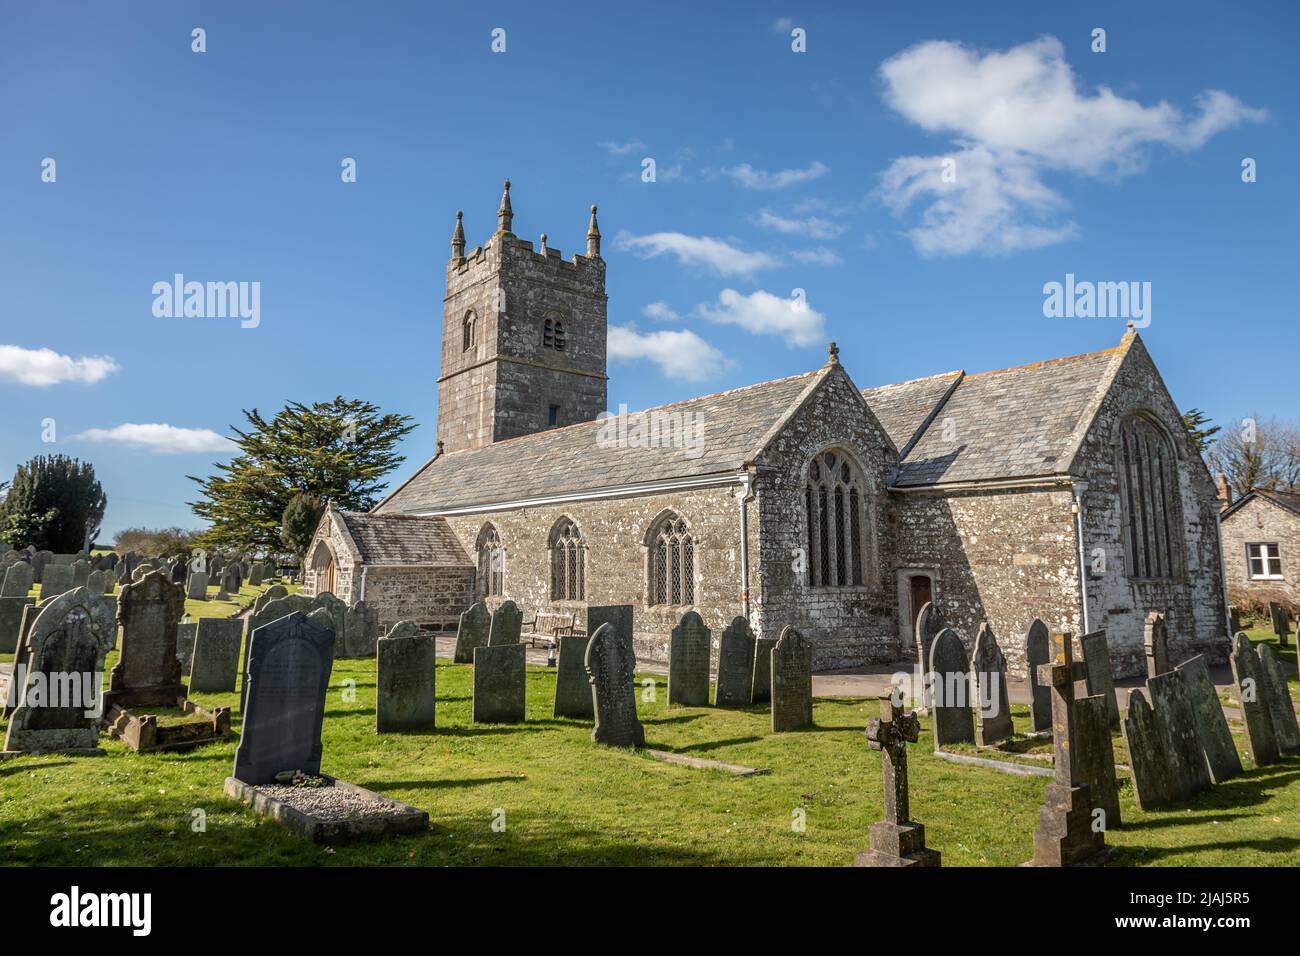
(467, 331)
(568, 562)
(672, 562)
(833, 504)
(553, 333)
(1148, 492)
(491, 562)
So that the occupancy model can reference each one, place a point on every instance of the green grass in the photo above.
(568, 801)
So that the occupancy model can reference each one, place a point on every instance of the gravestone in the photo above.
(897, 840)
(688, 662)
(185, 633)
(1155, 638)
(101, 582)
(791, 681)
(80, 574)
(18, 580)
(39, 560)
(1094, 756)
(288, 675)
(216, 655)
(196, 588)
(507, 620)
(500, 679)
(1234, 618)
(736, 653)
(406, 683)
(1211, 725)
(1280, 709)
(178, 572)
(610, 663)
(1252, 695)
(361, 630)
(617, 616)
(1147, 758)
(471, 633)
(1281, 621)
(761, 686)
(274, 593)
(1176, 723)
(231, 580)
(338, 612)
(11, 615)
(1098, 676)
(926, 628)
(989, 679)
(1065, 834)
(1036, 654)
(950, 692)
(57, 707)
(256, 573)
(147, 671)
(56, 579)
(572, 688)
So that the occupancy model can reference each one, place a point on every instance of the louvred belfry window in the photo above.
(672, 562)
(833, 502)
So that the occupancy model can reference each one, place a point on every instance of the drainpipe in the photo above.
(1223, 574)
(746, 495)
(1079, 488)
(364, 569)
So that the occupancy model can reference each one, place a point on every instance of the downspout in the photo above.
(364, 569)
(746, 495)
(1223, 575)
(1079, 488)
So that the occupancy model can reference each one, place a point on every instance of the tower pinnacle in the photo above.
(593, 237)
(505, 215)
(458, 238)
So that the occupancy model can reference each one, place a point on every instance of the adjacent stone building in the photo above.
(1065, 490)
(1261, 548)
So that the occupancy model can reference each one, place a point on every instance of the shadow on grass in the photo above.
(678, 719)
(381, 786)
(1130, 856)
(16, 765)
(708, 745)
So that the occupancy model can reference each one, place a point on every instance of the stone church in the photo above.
(1066, 490)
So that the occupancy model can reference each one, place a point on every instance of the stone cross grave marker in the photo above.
(736, 654)
(289, 674)
(688, 662)
(215, 664)
(1155, 639)
(1280, 708)
(472, 632)
(611, 668)
(989, 679)
(572, 688)
(950, 692)
(792, 705)
(500, 684)
(1176, 725)
(897, 840)
(760, 686)
(1098, 676)
(406, 690)
(1211, 725)
(147, 672)
(1036, 654)
(507, 620)
(1251, 692)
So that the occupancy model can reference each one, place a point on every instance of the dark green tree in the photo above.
(338, 450)
(1198, 426)
(54, 504)
(299, 522)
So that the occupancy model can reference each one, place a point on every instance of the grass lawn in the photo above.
(567, 801)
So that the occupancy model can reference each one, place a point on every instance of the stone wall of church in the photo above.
(433, 597)
(330, 542)
(1259, 521)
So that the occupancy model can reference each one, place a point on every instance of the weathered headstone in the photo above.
(1234, 618)
(1066, 835)
(1094, 756)
(471, 633)
(196, 588)
(1155, 639)
(1176, 722)
(256, 574)
(572, 688)
(18, 580)
(761, 686)
(80, 574)
(989, 680)
(407, 694)
(1211, 725)
(216, 654)
(1280, 709)
(1251, 692)
(101, 581)
(1281, 620)
(1098, 675)
(361, 630)
(617, 616)
(950, 691)
(736, 653)
(897, 840)
(338, 612)
(500, 681)
(231, 580)
(1147, 758)
(274, 593)
(507, 620)
(185, 633)
(56, 693)
(56, 579)
(791, 681)
(289, 672)
(147, 671)
(1036, 654)
(611, 669)
(11, 615)
(926, 628)
(178, 572)
(688, 662)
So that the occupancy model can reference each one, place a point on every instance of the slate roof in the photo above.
(1283, 499)
(396, 539)
(570, 459)
(904, 408)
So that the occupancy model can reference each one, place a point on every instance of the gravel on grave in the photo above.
(331, 803)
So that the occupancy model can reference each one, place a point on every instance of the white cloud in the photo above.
(716, 254)
(751, 178)
(1014, 115)
(621, 149)
(160, 439)
(660, 312)
(820, 256)
(679, 353)
(43, 367)
(814, 227)
(783, 25)
(763, 313)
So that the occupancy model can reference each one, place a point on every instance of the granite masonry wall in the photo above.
(1260, 521)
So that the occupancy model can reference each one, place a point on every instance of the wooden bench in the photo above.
(550, 625)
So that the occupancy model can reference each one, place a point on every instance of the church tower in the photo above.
(523, 337)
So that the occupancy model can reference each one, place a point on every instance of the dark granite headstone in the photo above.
(736, 653)
(185, 633)
(1281, 621)
(989, 680)
(216, 654)
(1211, 725)
(791, 682)
(1189, 774)
(289, 673)
(617, 616)
(1234, 618)
(11, 615)
(407, 693)
(761, 686)
(1155, 639)
(507, 620)
(471, 633)
(231, 579)
(147, 672)
(500, 679)
(1147, 759)
(572, 688)
(611, 669)
(1252, 694)
(1094, 756)
(688, 662)
(56, 579)
(950, 690)
(1280, 709)
(1036, 654)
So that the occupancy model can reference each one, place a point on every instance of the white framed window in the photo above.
(1264, 561)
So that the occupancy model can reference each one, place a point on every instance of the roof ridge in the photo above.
(913, 381)
(1045, 363)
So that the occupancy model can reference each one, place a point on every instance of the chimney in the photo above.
(1225, 493)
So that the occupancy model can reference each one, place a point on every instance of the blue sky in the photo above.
(776, 171)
